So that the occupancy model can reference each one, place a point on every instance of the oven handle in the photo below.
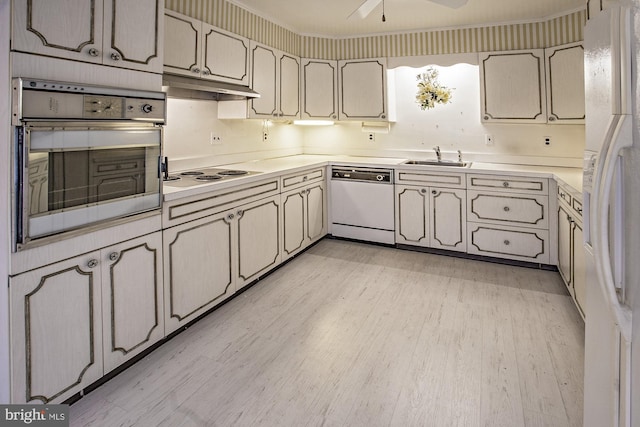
(163, 168)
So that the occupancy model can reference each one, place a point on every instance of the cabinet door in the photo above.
(564, 246)
(56, 330)
(289, 86)
(579, 267)
(319, 89)
(70, 29)
(133, 31)
(182, 46)
(447, 227)
(258, 239)
(412, 215)
(225, 56)
(132, 298)
(512, 87)
(316, 217)
(565, 83)
(264, 62)
(363, 86)
(198, 267)
(293, 223)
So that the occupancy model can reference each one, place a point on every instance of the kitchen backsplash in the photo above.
(545, 33)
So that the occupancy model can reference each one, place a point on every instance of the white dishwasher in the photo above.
(362, 204)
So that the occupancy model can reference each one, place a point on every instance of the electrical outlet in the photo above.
(372, 137)
(265, 136)
(488, 139)
(215, 139)
(547, 140)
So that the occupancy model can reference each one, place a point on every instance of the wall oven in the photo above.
(83, 155)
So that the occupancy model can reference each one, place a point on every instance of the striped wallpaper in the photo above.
(552, 32)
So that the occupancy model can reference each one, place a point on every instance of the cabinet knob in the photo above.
(230, 216)
(195, 70)
(486, 117)
(333, 117)
(206, 72)
(239, 213)
(384, 116)
(93, 263)
(116, 56)
(113, 256)
(302, 193)
(94, 52)
(579, 210)
(507, 209)
(434, 192)
(423, 190)
(505, 184)
(552, 119)
(507, 243)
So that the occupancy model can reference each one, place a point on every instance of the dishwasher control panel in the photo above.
(383, 176)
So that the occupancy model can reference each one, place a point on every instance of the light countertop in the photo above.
(268, 168)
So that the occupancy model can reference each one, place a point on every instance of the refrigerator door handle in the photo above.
(621, 137)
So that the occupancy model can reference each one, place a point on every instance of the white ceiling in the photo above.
(329, 17)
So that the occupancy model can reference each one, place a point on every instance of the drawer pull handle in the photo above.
(507, 209)
(507, 243)
(505, 184)
(579, 210)
(93, 263)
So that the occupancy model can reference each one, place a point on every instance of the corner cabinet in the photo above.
(275, 75)
(431, 210)
(565, 83)
(74, 321)
(304, 210)
(319, 80)
(571, 257)
(196, 49)
(363, 90)
(512, 87)
(125, 34)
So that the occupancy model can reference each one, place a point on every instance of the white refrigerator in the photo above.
(612, 222)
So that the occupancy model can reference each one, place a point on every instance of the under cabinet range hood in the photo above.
(190, 88)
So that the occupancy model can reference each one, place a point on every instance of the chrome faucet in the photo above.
(438, 154)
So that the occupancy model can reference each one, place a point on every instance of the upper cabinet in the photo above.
(565, 83)
(319, 89)
(512, 87)
(275, 76)
(196, 49)
(533, 86)
(363, 89)
(118, 33)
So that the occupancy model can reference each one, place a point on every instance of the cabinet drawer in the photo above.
(508, 184)
(576, 205)
(302, 178)
(564, 195)
(188, 209)
(519, 244)
(436, 179)
(508, 209)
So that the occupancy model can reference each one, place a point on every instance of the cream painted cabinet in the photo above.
(132, 298)
(119, 33)
(196, 49)
(304, 217)
(508, 217)
(208, 259)
(69, 317)
(565, 83)
(319, 80)
(571, 258)
(199, 258)
(431, 217)
(275, 75)
(363, 90)
(512, 87)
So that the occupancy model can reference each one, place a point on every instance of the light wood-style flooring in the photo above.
(350, 334)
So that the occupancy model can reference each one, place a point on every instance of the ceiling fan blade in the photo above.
(454, 4)
(365, 9)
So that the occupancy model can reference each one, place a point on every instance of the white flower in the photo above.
(430, 91)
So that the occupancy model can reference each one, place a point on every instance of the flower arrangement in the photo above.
(430, 91)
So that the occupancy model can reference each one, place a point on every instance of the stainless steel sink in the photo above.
(449, 163)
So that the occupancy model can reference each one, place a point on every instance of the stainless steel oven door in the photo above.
(70, 176)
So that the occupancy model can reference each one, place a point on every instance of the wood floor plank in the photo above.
(363, 335)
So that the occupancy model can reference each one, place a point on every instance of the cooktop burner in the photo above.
(203, 176)
(208, 177)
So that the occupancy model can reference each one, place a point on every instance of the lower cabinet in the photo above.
(209, 259)
(304, 217)
(431, 217)
(571, 258)
(75, 320)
